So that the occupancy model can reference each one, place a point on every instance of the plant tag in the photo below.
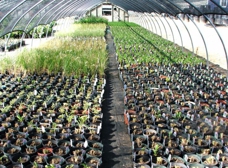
(221, 122)
(102, 93)
(35, 92)
(188, 115)
(99, 100)
(128, 129)
(162, 94)
(134, 156)
(186, 158)
(181, 147)
(132, 145)
(125, 86)
(198, 129)
(33, 107)
(59, 125)
(75, 90)
(136, 93)
(163, 142)
(221, 136)
(216, 135)
(224, 114)
(98, 129)
(171, 129)
(22, 165)
(221, 165)
(193, 140)
(225, 149)
(169, 157)
(75, 118)
(178, 87)
(148, 108)
(88, 115)
(182, 95)
(42, 129)
(175, 134)
(166, 151)
(189, 137)
(163, 115)
(86, 144)
(217, 156)
(153, 118)
(131, 137)
(192, 117)
(157, 129)
(71, 142)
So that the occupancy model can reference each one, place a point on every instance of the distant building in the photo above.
(109, 11)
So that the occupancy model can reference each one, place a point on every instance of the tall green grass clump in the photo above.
(83, 30)
(93, 19)
(67, 55)
(82, 50)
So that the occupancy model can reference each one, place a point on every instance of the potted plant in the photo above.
(45, 151)
(21, 159)
(55, 160)
(4, 160)
(75, 160)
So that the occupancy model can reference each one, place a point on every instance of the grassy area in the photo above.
(93, 20)
(131, 24)
(81, 50)
(137, 45)
(83, 30)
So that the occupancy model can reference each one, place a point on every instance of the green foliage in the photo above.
(93, 19)
(156, 149)
(136, 45)
(20, 118)
(123, 24)
(67, 55)
(178, 115)
(50, 166)
(41, 30)
(81, 121)
(83, 30)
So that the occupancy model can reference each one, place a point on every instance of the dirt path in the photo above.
(117, 145)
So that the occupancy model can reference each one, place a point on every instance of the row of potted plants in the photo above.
(51, 116)
(175, 110)
(12, 44)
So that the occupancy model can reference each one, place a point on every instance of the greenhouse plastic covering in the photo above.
(26, 14)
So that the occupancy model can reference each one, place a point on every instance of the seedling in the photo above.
(156, 149)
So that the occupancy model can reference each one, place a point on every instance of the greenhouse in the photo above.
(113, 83)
